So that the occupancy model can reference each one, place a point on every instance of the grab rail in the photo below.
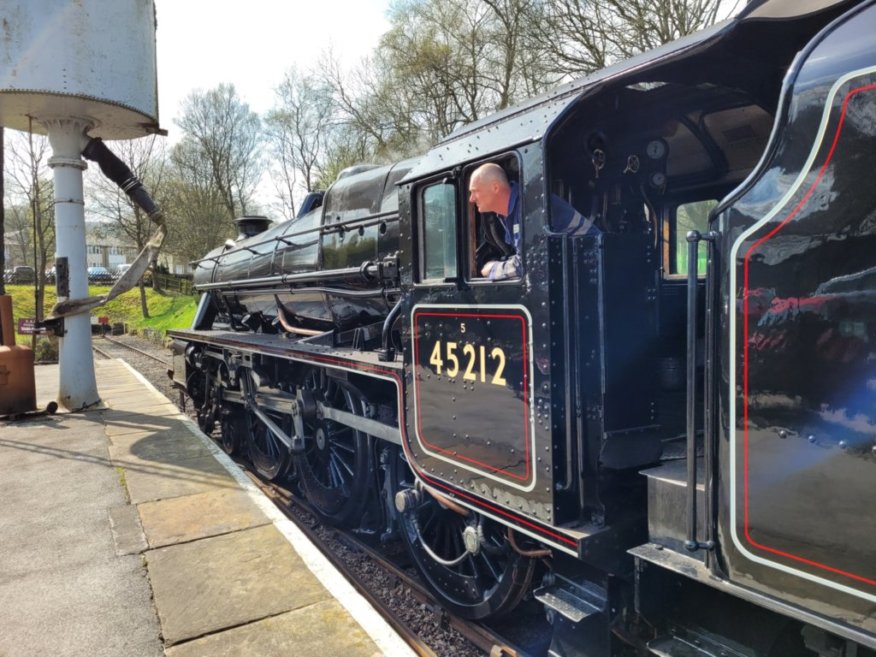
(693, 543)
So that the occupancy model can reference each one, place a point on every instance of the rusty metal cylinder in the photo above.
(17, 381)
(7, 335)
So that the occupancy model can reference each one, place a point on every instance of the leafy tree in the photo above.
(222, 138)
(146, 157)
(197, 214)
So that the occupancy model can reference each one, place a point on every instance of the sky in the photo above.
(202, 43)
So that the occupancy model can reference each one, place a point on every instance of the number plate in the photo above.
(472, 379)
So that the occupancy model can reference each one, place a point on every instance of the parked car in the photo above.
(22, 275)
(121, 270)
(100, 276)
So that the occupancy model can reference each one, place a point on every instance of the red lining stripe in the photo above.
(406, 445)
(745, 288)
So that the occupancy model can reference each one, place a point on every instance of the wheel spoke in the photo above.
(334, 474)
(338, 461)
(426, 528)
(338, 445)
(480, 586)
(495, 573)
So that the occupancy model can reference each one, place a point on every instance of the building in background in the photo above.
(103, 249)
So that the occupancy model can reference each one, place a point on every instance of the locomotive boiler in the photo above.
(662, 432)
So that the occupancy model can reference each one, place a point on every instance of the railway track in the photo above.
(129, 347)
(152, 361)
(482, 638)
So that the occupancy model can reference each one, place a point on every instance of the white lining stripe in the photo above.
(737, 245)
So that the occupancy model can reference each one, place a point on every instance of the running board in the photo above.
(691, 646)
(572, 601)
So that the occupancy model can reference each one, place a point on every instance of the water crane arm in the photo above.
(117, 171)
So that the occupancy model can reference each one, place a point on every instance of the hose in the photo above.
(119, 172)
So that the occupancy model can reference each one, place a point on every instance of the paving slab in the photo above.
(128, 536)
(51, 440)
(158, 481)
(102, 609)
(135, 397)
(128, 386)
(226, 581)
(301, 632)
(170, 445)
(121, 412)
(64, 590)
(183, 519)
(90, 499)
(134, 423)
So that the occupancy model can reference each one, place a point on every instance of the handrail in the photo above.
(693, 543)
(710, 396)
(387, 351)
(320, 230)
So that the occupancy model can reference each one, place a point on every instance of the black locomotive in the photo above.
(665, 432)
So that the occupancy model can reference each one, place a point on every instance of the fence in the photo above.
(176, 284)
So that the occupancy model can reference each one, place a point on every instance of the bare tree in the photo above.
(298, 130)
(224, 137)
(362, 113)
(442, 64)
(445, 63)
(582, 36)
(28, 179)
(346, 147)
(2, 214)
(146, 158)
(19, 229)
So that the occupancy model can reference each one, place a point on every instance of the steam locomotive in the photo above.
(665, 432)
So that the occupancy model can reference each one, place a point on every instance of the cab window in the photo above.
(438, 221)
(486, 235)
(682, 219)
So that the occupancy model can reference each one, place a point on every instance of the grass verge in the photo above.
(166, 311)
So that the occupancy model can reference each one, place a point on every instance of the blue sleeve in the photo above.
(566, 219)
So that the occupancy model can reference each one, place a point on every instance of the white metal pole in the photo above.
(78, 386)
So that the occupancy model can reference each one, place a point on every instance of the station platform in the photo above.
(124, 531)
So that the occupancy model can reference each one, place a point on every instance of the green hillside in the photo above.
(166, 311)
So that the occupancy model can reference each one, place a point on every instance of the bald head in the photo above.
(489, 189)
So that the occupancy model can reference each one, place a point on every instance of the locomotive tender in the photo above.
(664, 432)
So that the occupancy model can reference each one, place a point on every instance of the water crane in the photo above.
(79, 72)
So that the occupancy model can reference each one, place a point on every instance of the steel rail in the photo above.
(101, 352)
(478, 635)
(284, 503)
(132, 348)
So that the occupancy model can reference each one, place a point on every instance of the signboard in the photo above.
(27, 326)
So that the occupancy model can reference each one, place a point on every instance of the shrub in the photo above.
(46, 350)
